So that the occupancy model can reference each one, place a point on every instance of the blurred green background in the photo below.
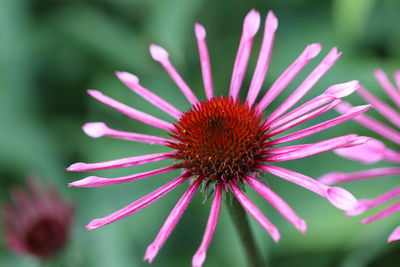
(51, 51)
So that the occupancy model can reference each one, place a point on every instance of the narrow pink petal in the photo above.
(120, 163)
(171, 221)
(390, 90)
(161, 55)
(303, 118)
(204, 60)
(383, 108)
(319, 147)
(338, 197)
(383, 214)
(372, 124)
(339, 177)
(278, 203)
(131, 112)
(93, 181)
(285, 149)
(271, 24)
(367, 204)
(132, 82)
(200, 254)
(397, 78)
(99, 129)
(334, 92)
(251, 208)
(251, 25)
(395, 235)
(352, 113)
(307, 84)
(310, 52)
(138, 204)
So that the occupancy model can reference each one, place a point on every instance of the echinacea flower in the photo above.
(38, 221)
(224, 142)
(374, 151)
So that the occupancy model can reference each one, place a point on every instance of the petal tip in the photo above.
(127, 77)
(252, 22)
(75, 167)
(313, 51)
(198, 259)
(158, 53)
(200, 31)
(95, 129)
(271, 21)
(151, 253)
(341, 198)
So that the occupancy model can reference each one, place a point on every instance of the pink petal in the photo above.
(204, 60)
(355, 111)
(93, 181)
(395, 235)
(310, 52)
(367, 204)
(338, 197)
(171, 221)
(99, 129)
(200, 255)
(132, 82)
(119, 163)
(161, 55)
(397, 78)
(383, 108)
(307, 84)
(251, 208)
(317, 148)
(251, 25)
(390, 90)
(131, 112)
(339, 177)
(271, 24)
(383, 214)
(138, 204)
(278, 203)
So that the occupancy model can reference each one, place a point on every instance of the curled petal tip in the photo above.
(158, 53)
(313, 51)
(151, 253)
(341, 198)
(302, 226)
(252, 22)
(275, 236)
(198, 259)
(96, 223)
(75, 166)
(343, 89)
(200, 31)
(395, 235)
(83, 182)
(127, 77)
(272, 21)
(95, 129)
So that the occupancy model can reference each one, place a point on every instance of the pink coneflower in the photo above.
(374, 151)
(38, 221)
(223, 142)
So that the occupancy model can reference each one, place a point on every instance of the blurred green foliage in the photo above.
(51, 51)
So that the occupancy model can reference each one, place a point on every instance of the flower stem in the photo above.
(239, 217)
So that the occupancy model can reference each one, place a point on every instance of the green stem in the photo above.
(239, 217)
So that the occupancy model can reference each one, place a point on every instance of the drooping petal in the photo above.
(161, 55)
(171, 221)
(395, 235)
(383, 214)
(99, 129)
(132, 82)
(131, 112)
(278, 203)
(251, 25)
(339, 177)
(307, 84)
(251, 208)
(390, 90)
(138, 204)
(93, 181)
(367, 204)
(120, 163)
(339, 197)
(271, 24)
(204, 60)
(200, 255)
(310, 52)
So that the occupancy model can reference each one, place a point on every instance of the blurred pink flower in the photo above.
(374, 151)
(225, 143)
(38, 221)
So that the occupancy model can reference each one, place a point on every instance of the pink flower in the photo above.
(38, 221)
(222, 142)
(374, 151)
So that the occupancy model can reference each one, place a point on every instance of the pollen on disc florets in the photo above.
(220, 139)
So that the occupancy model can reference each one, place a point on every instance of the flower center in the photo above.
(220, 139)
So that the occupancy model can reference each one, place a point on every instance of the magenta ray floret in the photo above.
(224, 143)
